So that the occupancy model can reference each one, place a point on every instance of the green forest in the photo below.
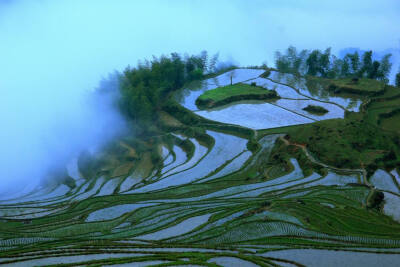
(145, 88)
(325, 64)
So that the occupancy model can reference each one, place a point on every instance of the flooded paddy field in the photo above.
(225, 202)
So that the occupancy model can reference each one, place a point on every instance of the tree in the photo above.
(144, 88)
(374, 71)
(345, 68)
(195, 67)
(326, 65)
(397, 80)
(302, 56)
(324, 62)
(281, 62)
(232, 75)
(204, 59)
(291, 55)
(296, 60)
(355, 62)
(320, 64)
(313, 62)
(336, 68)
(213, 63)
(384, 68)
(291, 61)
(367, 67)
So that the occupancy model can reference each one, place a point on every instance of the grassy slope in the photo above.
(365, 139)
(346, 217)
(346, 143)
(230, 93)
(362, 85)
(221, 93)
(383, 110)
(392, 123)
(348, 88)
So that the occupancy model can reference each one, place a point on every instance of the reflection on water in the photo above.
(298, 106)
(296, 92)
(187, 97)
(254, 115)
(282, 90)
(315, 89)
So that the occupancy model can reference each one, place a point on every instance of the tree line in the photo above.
(325, 64)
(145, 88)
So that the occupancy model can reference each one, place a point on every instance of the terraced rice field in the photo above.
(213, 207)
(314, 91)
(261, 115)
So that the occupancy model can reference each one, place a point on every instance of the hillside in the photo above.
(230, 184)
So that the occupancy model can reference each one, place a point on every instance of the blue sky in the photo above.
(53, 52)
(103, 35)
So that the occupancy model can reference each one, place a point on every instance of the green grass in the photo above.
(390, 103)
(392, 123)
(390, 92)
(362, 86)
(348, 88)
(347, 143)
(230, 93)
(383, 111)
(221, 93)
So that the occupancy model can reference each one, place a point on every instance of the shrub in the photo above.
(315, 109)
(375, 200)
(252, 145)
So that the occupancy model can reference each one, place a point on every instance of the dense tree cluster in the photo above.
(325, 64)
(145, 87)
